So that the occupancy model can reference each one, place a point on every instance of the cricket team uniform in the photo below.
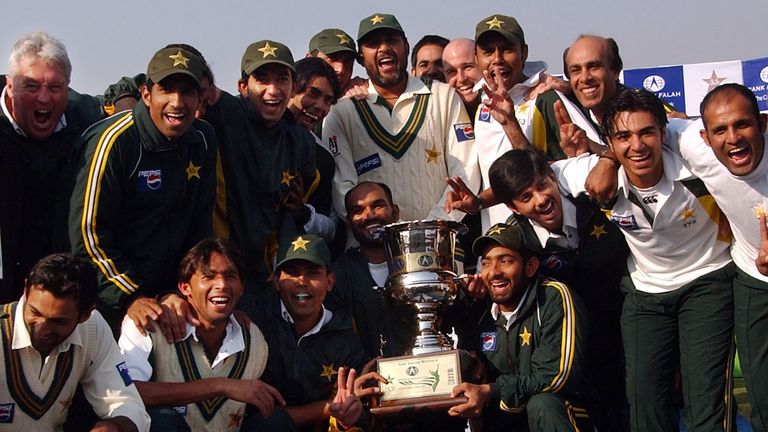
(537, 121)
(36, 392)
(257, 167)
(411, 148)
(677, 295)
(140, 201)
(35, 177)
(590, 258)
(242, 355)
(535, 359)
(742, 199)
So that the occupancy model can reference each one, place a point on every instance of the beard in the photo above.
(388, 80)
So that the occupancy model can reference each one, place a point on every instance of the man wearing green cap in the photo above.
(507, 119)
(532, 340)
(337, 48)
(267, 161)
(146, 187)
(408, 133)
(307, 343)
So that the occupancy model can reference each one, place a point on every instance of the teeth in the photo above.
(272, 102)
(219, 300)
(310, 115)
(43, 111)
(302, 296)
(175, 115)
(639, 158)
(588, 91)
(737, 150)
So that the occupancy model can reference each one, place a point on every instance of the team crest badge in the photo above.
(488, 340)
(149, 180)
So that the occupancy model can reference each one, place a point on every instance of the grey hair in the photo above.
(43, 46)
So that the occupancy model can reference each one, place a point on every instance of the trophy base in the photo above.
(416, 405)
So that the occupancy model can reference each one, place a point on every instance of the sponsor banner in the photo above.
(665, 82)
(701, 78)
(755, 74)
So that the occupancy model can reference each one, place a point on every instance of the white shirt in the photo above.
(510, 316)
(681, 241)
(324, 319)
(742, 198)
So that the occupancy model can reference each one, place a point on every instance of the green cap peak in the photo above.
(170, 61)
(307, 247)
(265, 52)
(377, 21)
(504, 25)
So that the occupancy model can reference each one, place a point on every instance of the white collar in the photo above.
(413, 86)
(22, 339)
(232, 344)
(674, 170)
(496, 309)
(61, 125)
(324, 319)
(569, 222)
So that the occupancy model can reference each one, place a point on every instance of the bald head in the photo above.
(461, 70)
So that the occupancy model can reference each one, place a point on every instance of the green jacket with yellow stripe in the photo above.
(542, 351)
(140, 201)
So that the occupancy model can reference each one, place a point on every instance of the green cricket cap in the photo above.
(330, 41)
(506, 26)
(510, 236)
(307, 247)
(169, 61)
(376, 22)
(265, 52)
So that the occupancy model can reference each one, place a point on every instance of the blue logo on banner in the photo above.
(149, 180)
(6, 412)
(488, 340)
(124, 374)
(464, 131)
(368, 163)
(755, 73)
(665, 82)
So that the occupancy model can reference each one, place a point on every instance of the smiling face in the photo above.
(172, 104)
(498, 55)
(592, 80)
(734, 133)
(461, 69)
(343, 63)
(368, 211)
(429, 62)
(214, 290)
(50, 319)
(269, 88)
(385, 57)
(302, 286)
(637, 143)
(312, 105)
(541, 202)
(37, 97)
(506, 275)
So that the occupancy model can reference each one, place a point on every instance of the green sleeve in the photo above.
(545, 122)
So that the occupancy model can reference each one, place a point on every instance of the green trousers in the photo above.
(695, 325)
(750, 297)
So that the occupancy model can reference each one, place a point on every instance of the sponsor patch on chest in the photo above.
(464, 131)
(6, 412)
(368, 163)
(488, 341)
(124, 374)
(149, 180)
(627, 222)
(485, 114)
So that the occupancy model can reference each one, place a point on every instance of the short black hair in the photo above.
(384, 187)
(739, 89)
(66, 276)
(310, 67)
(633, 100)
(199, 257)
(614, 59)
(427, 40)
(515, 171)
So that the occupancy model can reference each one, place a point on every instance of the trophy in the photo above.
(420, 258)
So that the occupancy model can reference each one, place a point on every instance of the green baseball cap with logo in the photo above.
(307, 247)
(330, 41)
(506, 26)
(170, 61)
(265, 52)
(509, 235)
(376, 22)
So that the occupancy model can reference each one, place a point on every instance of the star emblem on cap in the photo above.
(328, 372)
(287, 177)
(687, 214)
(193, 170)
(179, 59)
(432, 154)
(494, 23)
(268, 50)
(377, 19)
(495, 230)
(343, 39)
(598, 230)
(713, 81)
(299, 243)
(525, 337)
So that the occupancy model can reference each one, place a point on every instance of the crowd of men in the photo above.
(175, 257)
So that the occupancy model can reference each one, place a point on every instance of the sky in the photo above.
(107, 39)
